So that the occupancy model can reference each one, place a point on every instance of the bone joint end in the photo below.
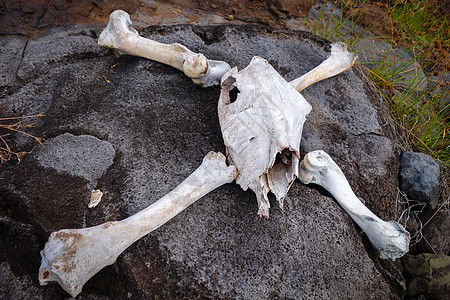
(122, 38)
(390, 239)
(72, 256)
(340, 60)
(117, 31)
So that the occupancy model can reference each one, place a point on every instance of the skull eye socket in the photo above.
(233, 93)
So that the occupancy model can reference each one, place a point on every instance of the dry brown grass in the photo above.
(16, 125)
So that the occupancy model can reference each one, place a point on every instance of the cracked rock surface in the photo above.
(135, 129)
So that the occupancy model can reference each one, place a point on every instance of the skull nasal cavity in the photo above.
(285, 157)
(233, 93)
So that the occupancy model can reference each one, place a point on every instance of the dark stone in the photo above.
(53, 185)
(436, 231)
(427, 275)
(419, 176)
(15, 236)
(161, 126)
(42, 196)
(14, 287)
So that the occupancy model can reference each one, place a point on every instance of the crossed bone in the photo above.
(261, 118)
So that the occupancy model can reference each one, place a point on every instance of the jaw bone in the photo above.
(72, 256)
(390, 239)
(119, 35)
(262, 129)
(340, 60)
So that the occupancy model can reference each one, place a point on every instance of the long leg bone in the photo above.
(262, 130)
(339, 61)
(72, 256)
(390, 239)
(120, 36)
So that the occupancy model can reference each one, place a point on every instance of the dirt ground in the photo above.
(25, 17)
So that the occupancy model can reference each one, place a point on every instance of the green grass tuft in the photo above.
(419, 24)
(422, 31)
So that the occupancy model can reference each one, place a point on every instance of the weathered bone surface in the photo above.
(261, 117)
(96, 197)
(340, 60)
(119, 35)
(262, 129)
(72, 256)
(390, 239)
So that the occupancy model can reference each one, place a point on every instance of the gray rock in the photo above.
(440, 85)
(31, 99)
(320, 11)
(420, 177)
(397, 66)
(46, 50)
(11, 50)
(403, 69)
(161, 126)
(57, 179)
(83, 156)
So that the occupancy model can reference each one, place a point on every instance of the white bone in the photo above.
(390, 239)
(340, 60)
(262, 129)
(96, 197)
(72, 256)
(120, 36)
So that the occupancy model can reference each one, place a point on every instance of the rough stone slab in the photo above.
(11, 50)
(161, 126)
(40, 53)
(420, 177)
(44, 197)
(84, 156)
(53, 184)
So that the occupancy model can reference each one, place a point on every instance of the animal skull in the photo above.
(262, 129)
(261, 117)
